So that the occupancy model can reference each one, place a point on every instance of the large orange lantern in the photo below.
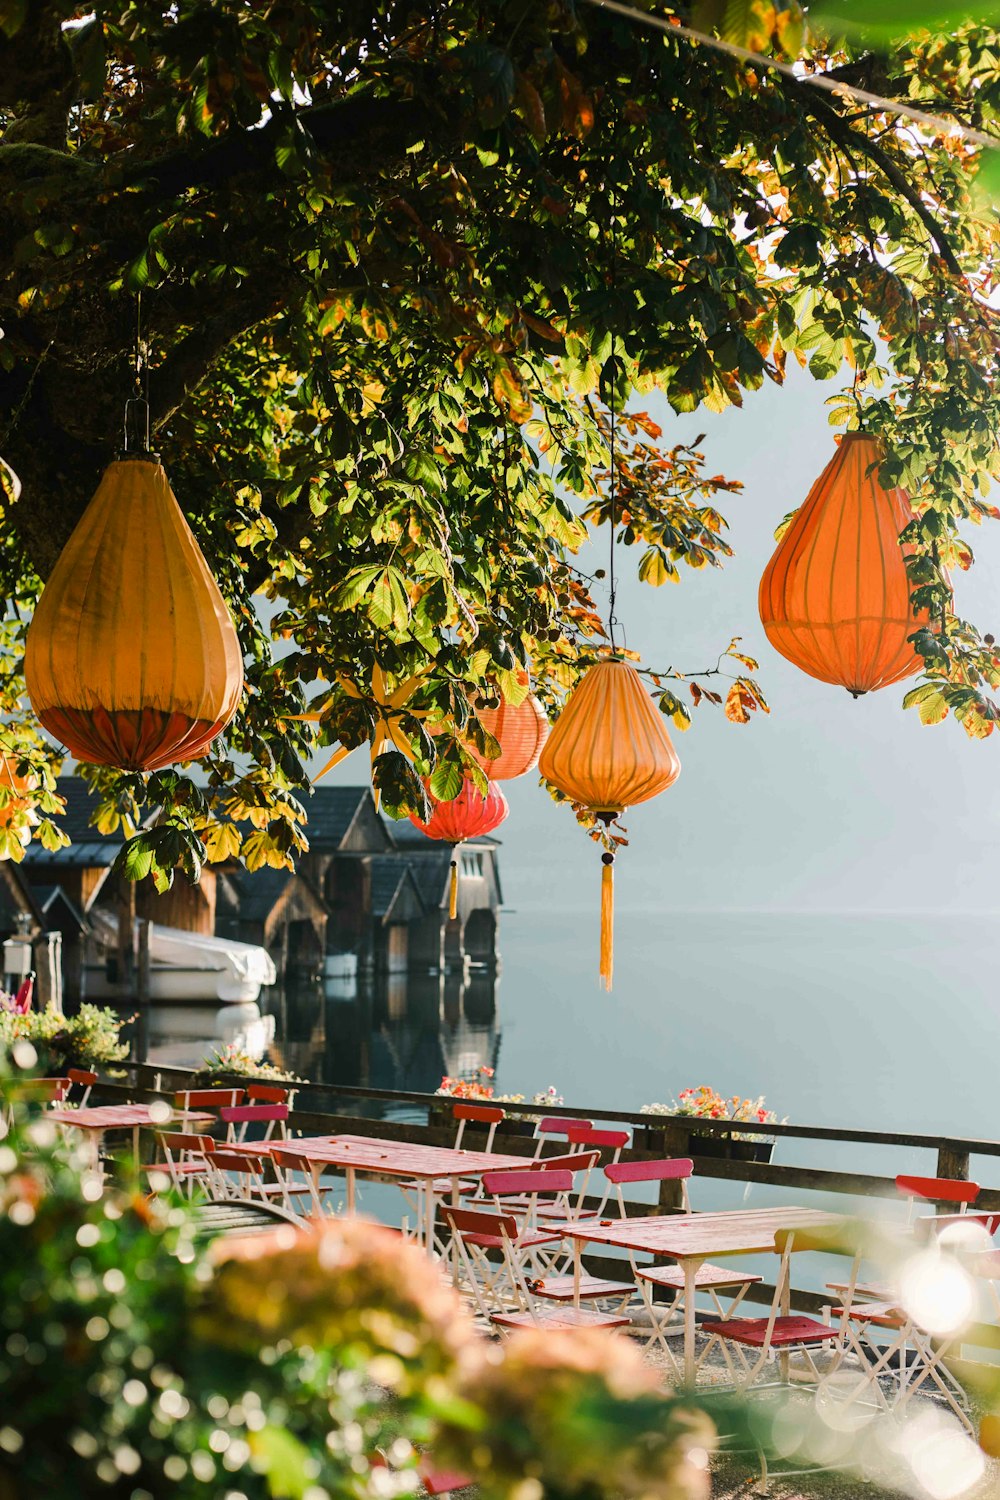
(132, 658)
(520, 731)
(467, 816)
(609, 749)
(835, 597)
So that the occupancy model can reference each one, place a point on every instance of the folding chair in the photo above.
(287, 1164)
(780, 1335)
(81, 1078)
(613, 1140)
(414, 1189)
(550, 1125)
(514, 1193)
(475, 1232)
(238, 1177)
(670, 1279)
(914, 1356)
(917, 1190)
(185, 1159)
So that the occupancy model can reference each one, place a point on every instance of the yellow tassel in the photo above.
(453, 898)
(607, 920)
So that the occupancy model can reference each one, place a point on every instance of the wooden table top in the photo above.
(394, 1158)
(125, 1117)
(701, 1236)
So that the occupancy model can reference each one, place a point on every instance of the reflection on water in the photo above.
(396, 1031)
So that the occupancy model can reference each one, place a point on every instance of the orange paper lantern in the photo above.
(132, 658)
(835, 597)
(609, 749)
(467, 816)
(520, 732)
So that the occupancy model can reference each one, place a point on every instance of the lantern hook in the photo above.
(137, 428)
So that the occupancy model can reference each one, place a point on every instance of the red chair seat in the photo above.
(560, 1288)
(528, 1242)
(561, 1319)
(753, 1331)
(706, 1275)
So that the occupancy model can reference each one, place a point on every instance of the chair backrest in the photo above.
(181, 1141)
(515, 1182)
(666, 1169)
(579, 1135)
(576, 1161)
(478, 1221)
(266, 1093)
(557, 1125)
(485, 1114)
(937, 1190)
(237, 1117)
(84, 1079)
(208, 1098)
(291, 1160)
(236, 1161)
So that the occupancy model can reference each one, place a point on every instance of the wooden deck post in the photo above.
(952, 1162)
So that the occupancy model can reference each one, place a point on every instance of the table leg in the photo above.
(690, 1286)
(577, 1267)
(456, 1202)
(135, 1145)
(430, 1209)
(350, 1189)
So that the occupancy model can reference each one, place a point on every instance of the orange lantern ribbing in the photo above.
(467, 816)
(520, 732)
(609, 749)
(835, 597)
(132, 658)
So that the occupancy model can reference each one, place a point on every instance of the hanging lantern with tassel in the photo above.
(835, 597)
(519, 730)
(132, 658)
(469, 815)
(609, 749)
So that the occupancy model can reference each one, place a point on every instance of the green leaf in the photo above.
(284, 1460)
(135, 859)
(446, 780)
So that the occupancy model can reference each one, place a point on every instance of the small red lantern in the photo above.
(467, 816)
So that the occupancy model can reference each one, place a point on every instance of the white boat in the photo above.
(187, 965)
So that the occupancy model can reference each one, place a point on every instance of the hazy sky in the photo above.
(829, 803)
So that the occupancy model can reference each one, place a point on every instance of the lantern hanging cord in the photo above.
(137, 406)
(612, 583)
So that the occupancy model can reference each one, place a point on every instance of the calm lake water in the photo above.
(885, 1022)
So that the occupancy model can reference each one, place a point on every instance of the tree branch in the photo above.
(856, 140)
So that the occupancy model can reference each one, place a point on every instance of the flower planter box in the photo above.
(678, 1136)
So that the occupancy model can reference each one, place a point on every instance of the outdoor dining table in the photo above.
(373, 1157)
(692, 1239)
(98, 1118)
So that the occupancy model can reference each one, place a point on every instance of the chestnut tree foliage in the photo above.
(396, 264)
